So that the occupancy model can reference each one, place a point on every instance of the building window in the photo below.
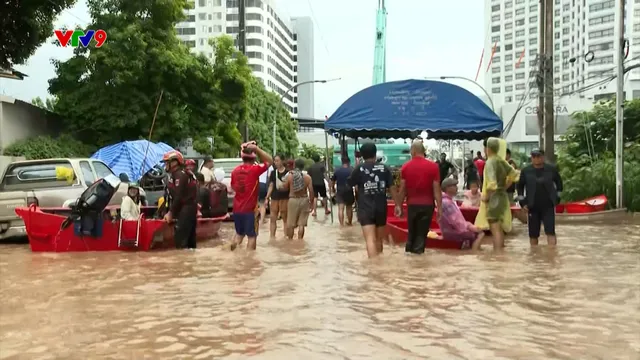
(533, 8)
(508, 99)
(600, 33)
(495, 17)
(508, 36)
(519, 43)
(604, 5)
(508, 15)
(495, 70)
(495, 28)
(508, 78)
(495, 39)
(533, 30)
(495, 80)
(533, 41)
(495, 90)
(186, 31)
(508, 26)
(495, 8)
(519, 33)
(520, 86)
(520, 22)
(520, 11)
(533, 19)
(508, 47)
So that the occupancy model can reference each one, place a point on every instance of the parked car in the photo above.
(36, 182)
(228, 164)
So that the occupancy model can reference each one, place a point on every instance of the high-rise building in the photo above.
(585, 33)
(271, 43)
(584, 59)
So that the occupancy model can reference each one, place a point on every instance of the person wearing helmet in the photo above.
(182, 203)
(245, 182)
(130, 207)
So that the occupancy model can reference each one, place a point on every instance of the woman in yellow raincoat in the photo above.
(495, 210)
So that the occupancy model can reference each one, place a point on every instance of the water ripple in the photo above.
(322, 299)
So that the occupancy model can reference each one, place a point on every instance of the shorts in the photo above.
(298, 212)
(262, 193)
(246, 224)
(546, 217)
(377, 218)
(345, 197)
(320, 191)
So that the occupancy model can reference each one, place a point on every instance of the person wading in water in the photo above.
(245, 183)
(278, 194)
(183, 203)
(301, 200)
(317, 171)
(344, 193)
(542, 185)
(420, 185)
(373, 182)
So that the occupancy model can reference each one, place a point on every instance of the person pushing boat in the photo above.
(183, 203)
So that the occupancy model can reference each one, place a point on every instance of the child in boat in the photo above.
(130, 207)
(473, 196)
(452, 222)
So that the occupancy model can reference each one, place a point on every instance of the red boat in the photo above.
(590, 205)
(398, 230)
(469, 213)
(47, 233)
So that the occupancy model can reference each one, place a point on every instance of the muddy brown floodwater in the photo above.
(322, 299)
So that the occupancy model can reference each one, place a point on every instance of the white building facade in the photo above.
(584, 58)
(583, 29)
(271, 42)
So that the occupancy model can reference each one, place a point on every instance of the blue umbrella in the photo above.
(127, 157)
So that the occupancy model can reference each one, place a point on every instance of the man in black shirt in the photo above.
(541, 184)
(372, 181)
(446, 167)
(317, 172)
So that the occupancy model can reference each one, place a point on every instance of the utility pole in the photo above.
(620, 108)
(242, 47)
(549, 123)
(541, 74)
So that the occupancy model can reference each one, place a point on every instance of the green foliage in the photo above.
(307, 152)
(588, 173)
(25, 25)
(45, 147)
(109, 94)
(48, 104)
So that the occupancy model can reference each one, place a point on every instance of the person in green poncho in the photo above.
(498, 176)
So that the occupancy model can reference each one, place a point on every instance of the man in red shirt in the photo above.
(245, 180)
(479, 163)
(420, 185)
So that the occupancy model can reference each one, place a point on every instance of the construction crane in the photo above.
(380, 53)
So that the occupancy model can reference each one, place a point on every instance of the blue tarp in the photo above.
(126, 157)
(403, 109)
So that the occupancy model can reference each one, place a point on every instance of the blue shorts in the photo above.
(262, 194)
(246, 224)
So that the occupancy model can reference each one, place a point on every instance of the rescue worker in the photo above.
(183, 203)
(190, 168)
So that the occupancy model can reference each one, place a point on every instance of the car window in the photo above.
(39, 175)
(227, 166)
(102, 170)
(87, 173)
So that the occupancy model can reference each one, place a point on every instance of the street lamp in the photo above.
(282, 98)
(476, 83)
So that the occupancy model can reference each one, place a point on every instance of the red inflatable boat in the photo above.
(46, 233)
(398, 231)
(590, 205)
(469, 213)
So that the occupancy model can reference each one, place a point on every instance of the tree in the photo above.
(109, 94)
(586, 160)
(25, 25)
(48, 104)
(46, 147)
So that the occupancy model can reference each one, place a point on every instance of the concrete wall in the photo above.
(303, 27)
(20, 120)
(6, 160)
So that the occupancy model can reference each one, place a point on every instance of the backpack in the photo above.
(218, 198)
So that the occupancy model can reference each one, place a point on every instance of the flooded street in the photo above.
(322, 299)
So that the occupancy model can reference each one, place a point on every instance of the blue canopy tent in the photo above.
(403, 109)
(126, 157)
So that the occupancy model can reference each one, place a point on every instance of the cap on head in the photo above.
(537, 152)
(449, 182)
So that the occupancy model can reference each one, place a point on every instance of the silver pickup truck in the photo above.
(35, 182)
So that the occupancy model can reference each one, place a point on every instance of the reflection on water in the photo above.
(322, 299)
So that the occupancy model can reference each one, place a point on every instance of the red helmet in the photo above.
(190, 162)
(173, 155)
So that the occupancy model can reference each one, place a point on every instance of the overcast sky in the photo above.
(425, 38)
